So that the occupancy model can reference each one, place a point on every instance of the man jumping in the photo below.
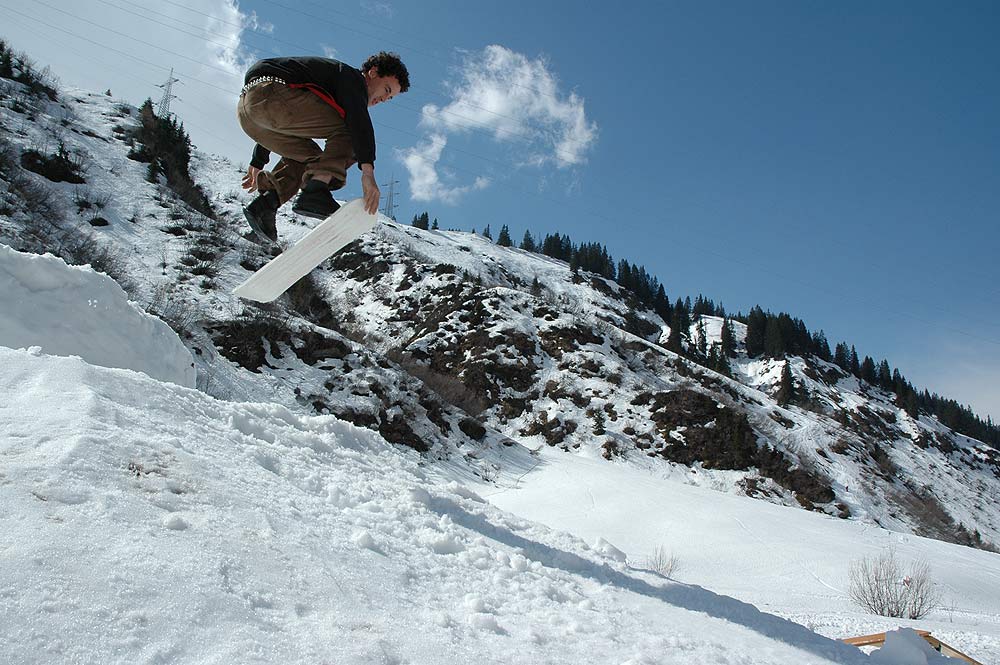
(288, 102)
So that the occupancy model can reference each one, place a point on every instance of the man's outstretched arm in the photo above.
(369, 188)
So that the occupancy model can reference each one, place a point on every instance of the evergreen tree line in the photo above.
(778, 336)
(768, 335)
(423, 221)
(166, 147)
(775, 336)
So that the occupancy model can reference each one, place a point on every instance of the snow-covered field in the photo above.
(783, 560)
(146, 522)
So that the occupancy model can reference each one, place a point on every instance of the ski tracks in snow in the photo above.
(794, 559)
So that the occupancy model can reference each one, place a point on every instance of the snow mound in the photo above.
(148, 522)
(906, 646)
(75, 311)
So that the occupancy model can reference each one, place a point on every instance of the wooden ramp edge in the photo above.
(878, 639)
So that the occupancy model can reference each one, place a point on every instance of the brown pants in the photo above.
(285, 121)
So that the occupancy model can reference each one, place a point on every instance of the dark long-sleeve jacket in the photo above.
(338, 84)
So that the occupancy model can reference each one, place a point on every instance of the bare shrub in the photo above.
(168, 303)
(663, 562)
(449, 388)
(251, 335)
(108, 259)
(880, 585)
(62, 166)
(38, 199)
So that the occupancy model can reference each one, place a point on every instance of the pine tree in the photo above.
(868, 371)
(786, 386)
(722, 363)
(680, 324)
(528, 242)
(661, 304)
(713, 357)
(435, 227)
(756, 328)
(842, 356)
(574, 263)
(911, 403)
(486, 233)
(728, 339)
(702, 338)
(820, 347)
(885, 375)
(855, 365)
(774, 341)
(536, 287)
(6, 63)
(421, 221)
(504, 238)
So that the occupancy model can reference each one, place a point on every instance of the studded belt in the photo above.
(258, 81)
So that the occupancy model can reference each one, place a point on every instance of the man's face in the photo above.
(380, 88)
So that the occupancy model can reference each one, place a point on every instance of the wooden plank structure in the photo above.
(878, 639)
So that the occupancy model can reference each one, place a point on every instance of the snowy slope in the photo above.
(76, 311)
(146, 522)
(790, 562)
(558, 367)
(255, 529)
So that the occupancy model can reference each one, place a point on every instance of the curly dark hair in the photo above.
(389, 64)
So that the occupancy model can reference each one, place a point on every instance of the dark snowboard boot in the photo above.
(315, 201)
(261, 215)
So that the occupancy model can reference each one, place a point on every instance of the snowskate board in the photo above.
(334, 233)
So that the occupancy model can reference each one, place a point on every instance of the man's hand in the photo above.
(370, 189)
(250, 179)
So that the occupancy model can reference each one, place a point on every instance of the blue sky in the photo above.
(836, 160)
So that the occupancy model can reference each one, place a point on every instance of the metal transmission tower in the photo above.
(163, 108)
(389, 209)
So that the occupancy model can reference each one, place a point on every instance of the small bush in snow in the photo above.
(663, 562)
(880, 585)
(108, 259)
(63, 166)
(170, 305)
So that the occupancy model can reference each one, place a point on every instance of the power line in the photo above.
(198, 27)
(472, 125)
(389, 209)
(136, 39)
(163, 108)
(114, 50)
(414, 88)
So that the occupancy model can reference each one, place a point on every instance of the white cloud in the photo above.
(425, 182)
(381, 9)
(329, 52)
(517, 101)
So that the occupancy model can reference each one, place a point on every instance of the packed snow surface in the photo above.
(74, 311)
(783, 560)
(145, 522)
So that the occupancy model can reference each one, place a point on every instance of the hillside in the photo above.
(420, 356)
(420, 334)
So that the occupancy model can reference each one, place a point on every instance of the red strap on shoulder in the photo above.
(319, 92)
